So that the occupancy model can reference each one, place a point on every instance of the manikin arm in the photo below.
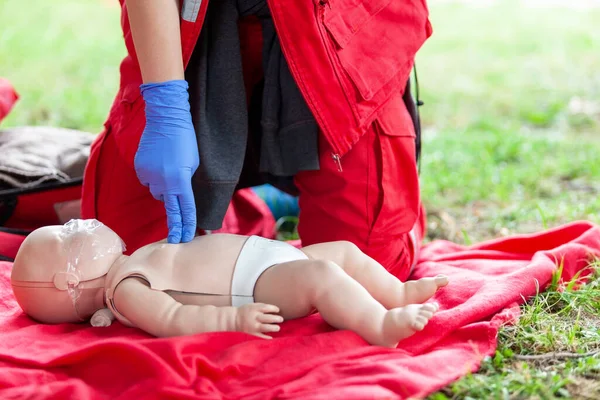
(160, 315)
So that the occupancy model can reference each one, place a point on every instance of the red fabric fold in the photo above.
(8, 98)
(308, 359)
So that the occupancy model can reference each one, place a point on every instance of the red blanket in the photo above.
(307, 360)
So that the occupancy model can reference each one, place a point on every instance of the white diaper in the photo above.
(258, 255)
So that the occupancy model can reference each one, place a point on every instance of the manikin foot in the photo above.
(421, 290)
(400, 323)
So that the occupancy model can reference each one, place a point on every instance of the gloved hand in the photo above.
(167, 155)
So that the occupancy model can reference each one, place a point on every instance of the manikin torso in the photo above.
(199, 272)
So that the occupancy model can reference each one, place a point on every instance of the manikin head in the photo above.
(59, 272)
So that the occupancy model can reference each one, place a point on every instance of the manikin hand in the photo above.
(258, 319)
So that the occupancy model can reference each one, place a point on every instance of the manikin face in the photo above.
(58, 274)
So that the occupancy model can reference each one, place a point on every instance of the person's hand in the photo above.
(258, 319)
(167, 155)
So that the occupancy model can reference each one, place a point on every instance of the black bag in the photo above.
(41, 175)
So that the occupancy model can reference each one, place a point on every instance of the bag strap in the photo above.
(7, 259)
(417, 121)
(413, 109)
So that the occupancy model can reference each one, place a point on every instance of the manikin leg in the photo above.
(299, 286)
(383, 286)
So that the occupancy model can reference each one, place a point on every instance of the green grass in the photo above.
(507, 149)
(511, 144)
(512, 118)
(560, 328)
(63, 58)
(510, 67)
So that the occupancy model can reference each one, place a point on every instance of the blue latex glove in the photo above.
(167, 155)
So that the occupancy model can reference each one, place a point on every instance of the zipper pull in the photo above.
(338, 161)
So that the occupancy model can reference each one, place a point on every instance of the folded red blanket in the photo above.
(307, 360)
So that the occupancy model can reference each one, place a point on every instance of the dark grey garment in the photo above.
(289, 131)
(218, 109)
(286, 140)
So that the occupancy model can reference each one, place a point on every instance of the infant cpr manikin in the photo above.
(218, 282)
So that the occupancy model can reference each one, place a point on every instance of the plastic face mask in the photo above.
(85, 241)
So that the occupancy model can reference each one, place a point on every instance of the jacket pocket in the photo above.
(375, 40)
(397, 172)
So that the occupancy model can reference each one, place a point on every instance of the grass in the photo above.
(512, 117)
(511, 144)
(553, 352)
(509, 66)
(63, 58)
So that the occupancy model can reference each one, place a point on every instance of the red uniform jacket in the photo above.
(348, 58)
(351, 60)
